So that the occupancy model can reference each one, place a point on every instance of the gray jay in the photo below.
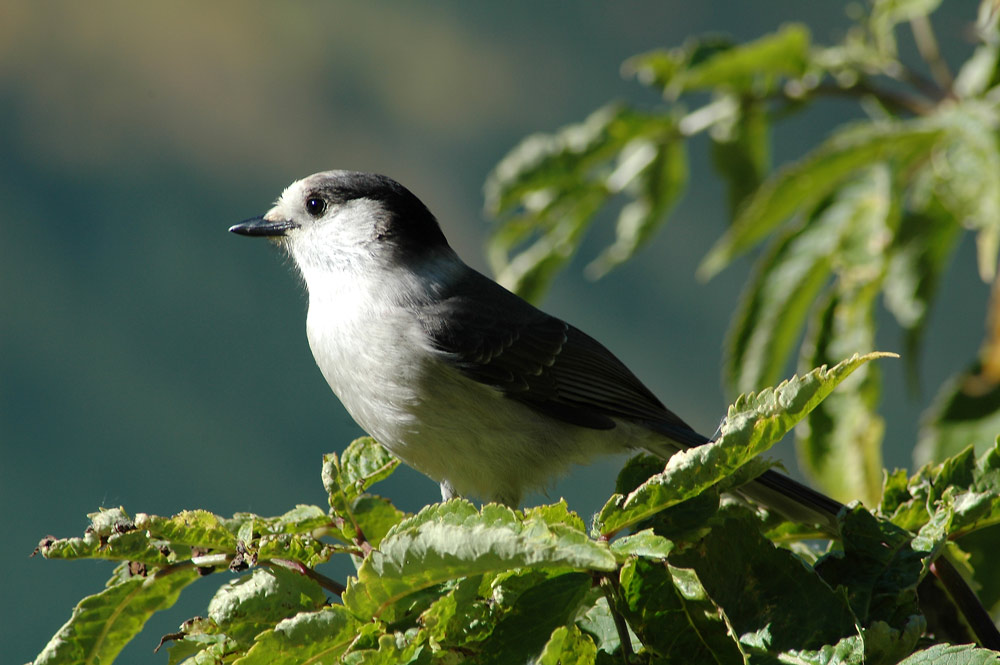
(458, 377)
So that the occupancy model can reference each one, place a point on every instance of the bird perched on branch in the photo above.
(458, 377)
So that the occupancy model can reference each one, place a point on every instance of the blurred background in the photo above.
(150, 359)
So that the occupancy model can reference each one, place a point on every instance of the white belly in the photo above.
(451, 428)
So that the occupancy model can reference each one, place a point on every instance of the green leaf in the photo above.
(307, 637)
(253, 603)
(754, 423)
(663, 178)
(644, 543)
(981, 547)
(966, 412)
(790, 277)
(460, 618)
(799, 187)
(363, 463)
(198, 528)
(555, 514)
(526, 629)
(556, 183)
(598, 622)
(879, 566)
(674, 616)
(375, 516)
(979, 72)
(783, 53)
(112, 535)
(102, 624)
(918, 260)
(950, 654)
(451, 540)
(840, 440)
(771, 601)
(568, 646)
(741, 152)
(969, 173)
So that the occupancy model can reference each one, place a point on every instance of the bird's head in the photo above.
(338, 219)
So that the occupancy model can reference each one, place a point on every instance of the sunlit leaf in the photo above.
(104, 623)
(453, 540)
(320, 636)
(799, 187)
(754, 423)
(791, 275)
(568, 646)
(783, 53)
(253, 603)
(950, 654)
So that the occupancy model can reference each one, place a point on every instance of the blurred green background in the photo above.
(151, 360)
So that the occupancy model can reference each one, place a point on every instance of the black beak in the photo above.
(258, 226)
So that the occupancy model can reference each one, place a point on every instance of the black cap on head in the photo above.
(403, 219)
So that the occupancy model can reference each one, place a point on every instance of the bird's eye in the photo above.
(315, 206)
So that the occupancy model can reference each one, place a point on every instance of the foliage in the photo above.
(673, 568)
(454, 583)
(876, 209)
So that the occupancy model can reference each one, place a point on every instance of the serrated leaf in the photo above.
(783, 53)
(878, 644)
(840, 442)
(559, 181)
(363, 463)
(799, 187)
(950, 654)
(772, 601)
(968, 170)
(556, 513)
(102, 624)
(568, 646)
(790, 277)
(673, 616)
(528, 626)
(879, 566)
(308, 637)
(644, 543)
(917, 264)
(460, 618)
(375, 516)
(453, 540)
(253, 603)
(755, 422)
(192, 527)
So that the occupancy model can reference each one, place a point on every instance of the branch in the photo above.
(327, 583)
(927, 46)
(607, 586)
(967, 602)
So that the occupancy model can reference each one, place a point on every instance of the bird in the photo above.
(458, 377)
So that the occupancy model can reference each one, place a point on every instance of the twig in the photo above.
(894, 100)
(607, 586)
(327, 583)
(967, 602)
(927, 46)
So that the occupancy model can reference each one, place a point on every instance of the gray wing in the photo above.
(494, 337)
